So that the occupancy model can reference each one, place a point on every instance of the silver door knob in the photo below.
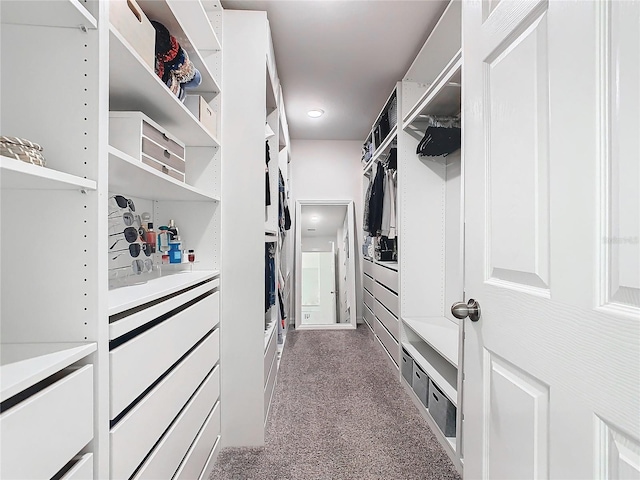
(470, 309)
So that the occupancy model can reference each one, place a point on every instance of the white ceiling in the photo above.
(328, 219)
(343, 57)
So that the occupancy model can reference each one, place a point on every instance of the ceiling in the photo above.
(342, 56)
(325, 219)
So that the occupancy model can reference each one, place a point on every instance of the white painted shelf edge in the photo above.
(17, 174)
(385, 144)
(147, 182)
(22, 365)
(124, 298)
(442, 81)
(268, 333)
(440, 333)
(438, 379)
(67, 13)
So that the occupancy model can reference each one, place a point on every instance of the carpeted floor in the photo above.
(338, 413)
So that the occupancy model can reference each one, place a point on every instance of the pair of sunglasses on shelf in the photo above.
(124, 202)
(138, 266)
(134, 250)
(131, 234)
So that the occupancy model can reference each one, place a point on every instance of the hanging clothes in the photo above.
(376, 200)
(269, 275)
(266, 177)
(367, 199)
(284, 218)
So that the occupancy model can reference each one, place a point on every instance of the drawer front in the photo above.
(368, 300)
(162, 139)
(270, 354)
(136, 434)
(43, 433)
(387, 340)
(161, 167)
(387, 319)
(368, 316)
(198, 454)
(367, 282)
(386, 276)
(367, 267)
(82, 470)
(138, 363)
(162, 155)
(268, 389)
(387, 298)
(166, 457)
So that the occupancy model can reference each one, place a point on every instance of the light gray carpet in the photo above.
(339, 413)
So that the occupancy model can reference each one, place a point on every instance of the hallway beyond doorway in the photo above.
(338, 413)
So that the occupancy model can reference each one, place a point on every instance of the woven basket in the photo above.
(22, 149)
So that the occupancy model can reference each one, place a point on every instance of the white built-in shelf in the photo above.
(22, 365)
(439, 332)
(391, 264)
(19, 175)
(130, 176)
(62, 13)
(124, 298)
(452, 442)
(193, 17)
(160, 11)
(442, 97)
(268, 333)
(448, 386)
(133, 85)
(272, 104)
(368, 168)
(385, 146)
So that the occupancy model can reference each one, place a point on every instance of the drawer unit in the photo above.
(270, 354)
(41, 434)
(143, 139)
(387, 319)
(82, 469)
(136, 434)
(368, 300)
(387, 340)
(271, 383)
(367, 282)
(442, 410)
(195, 460)
(367, 267)
(137, 363)
(166, 457)
(369, 316)
(406, 365)
(386, 276)
(387, 298)
(420, 384)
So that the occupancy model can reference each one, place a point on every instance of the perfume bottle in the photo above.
(175, 250)
(151, 237)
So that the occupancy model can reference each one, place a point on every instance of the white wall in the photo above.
(317, 244)
(330, 170)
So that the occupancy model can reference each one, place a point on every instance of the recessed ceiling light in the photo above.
(315, 218)
(315, 113)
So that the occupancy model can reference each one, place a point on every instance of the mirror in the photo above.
(325, 264)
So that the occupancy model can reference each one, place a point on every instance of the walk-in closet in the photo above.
(338, 239)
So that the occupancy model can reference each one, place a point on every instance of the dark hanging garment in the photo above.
(269, 275)
(266, 177)
(376, 201)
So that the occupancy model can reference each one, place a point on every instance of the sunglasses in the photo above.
(138, 266)
(124, 202)
(130, 235)
(135, 249)
(127, 218)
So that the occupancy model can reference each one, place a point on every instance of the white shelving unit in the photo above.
(430, 206)
(80, 363)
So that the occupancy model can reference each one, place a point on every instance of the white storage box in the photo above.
(203, 112)
(143, 139)
(128, 18)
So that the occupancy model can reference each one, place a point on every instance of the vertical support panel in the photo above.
(617, 454)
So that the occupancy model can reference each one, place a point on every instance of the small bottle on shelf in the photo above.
(192, 256)
(151, 237)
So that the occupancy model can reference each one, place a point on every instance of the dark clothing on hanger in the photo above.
(375, 202)
(266, 177)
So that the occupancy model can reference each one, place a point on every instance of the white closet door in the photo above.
(551, 101)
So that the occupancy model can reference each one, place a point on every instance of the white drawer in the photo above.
(138, 363)
(368, 316)
(387, 298)
(387, 319)
(386, 276)
(136, 434)
(388, 341)
(268, 389)
(198, 454)
(270, 354)
(367, 267)
(368, 299)
(166, 457)
(367, 282)
(82, 470)
(44, 432)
